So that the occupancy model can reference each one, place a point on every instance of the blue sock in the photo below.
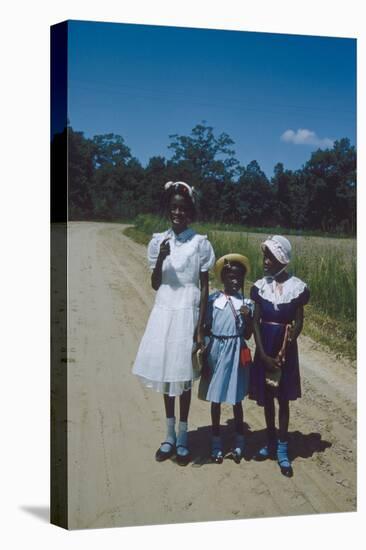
(182, 438)
(282, 454)
(171, 436)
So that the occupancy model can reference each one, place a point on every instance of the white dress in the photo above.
(164, 357)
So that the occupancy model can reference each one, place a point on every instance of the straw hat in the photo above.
(239, 258)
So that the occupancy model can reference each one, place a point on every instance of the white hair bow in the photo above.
(177, 184)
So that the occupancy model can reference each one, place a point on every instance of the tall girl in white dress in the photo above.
(180, 260)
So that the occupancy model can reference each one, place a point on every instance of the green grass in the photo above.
(273, 230)
(137, 235)
(150, 220)
(339, 336)
(330, 273)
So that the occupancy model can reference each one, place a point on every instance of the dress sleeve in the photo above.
(207, 255)
(254, 294)
(153, 250)
(304, 297)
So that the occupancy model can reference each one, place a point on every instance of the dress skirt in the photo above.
(164, 358)
(229, 381)
(290, 386)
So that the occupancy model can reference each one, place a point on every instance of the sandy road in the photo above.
(115, 426)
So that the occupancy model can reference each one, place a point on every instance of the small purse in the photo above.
(197, 362)
(273, 378)
(245, 356)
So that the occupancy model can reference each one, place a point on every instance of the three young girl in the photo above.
(180, 260)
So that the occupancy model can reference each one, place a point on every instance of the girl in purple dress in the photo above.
(278, 320)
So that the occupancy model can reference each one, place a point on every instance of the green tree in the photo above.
(298, 201)
(254, 197)
(330, 179)
(207, 162)
(110, 149)
(80, 175)
(281, 185)
(117, 183)
(155, 176)
(205, 155)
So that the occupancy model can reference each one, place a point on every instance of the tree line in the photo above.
(106, 182)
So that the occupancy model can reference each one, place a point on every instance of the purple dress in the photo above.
(278, 307)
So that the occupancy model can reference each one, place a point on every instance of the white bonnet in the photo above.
(280, 248)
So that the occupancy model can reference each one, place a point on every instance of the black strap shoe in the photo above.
(160, 455)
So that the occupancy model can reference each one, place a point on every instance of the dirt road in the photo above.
(115, 426)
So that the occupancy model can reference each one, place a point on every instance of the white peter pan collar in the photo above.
(222, 300)
(291, 289)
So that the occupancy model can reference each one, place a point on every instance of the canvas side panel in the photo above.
(59, 306)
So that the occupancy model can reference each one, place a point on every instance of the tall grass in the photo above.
(332, 281)
(150, 219)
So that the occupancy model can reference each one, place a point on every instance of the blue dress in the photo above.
(278, 307)
(228, 381)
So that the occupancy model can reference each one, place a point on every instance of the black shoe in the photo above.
(183, 460)
(235, 456)
(286, 471)
(217, 456)
(160, 455)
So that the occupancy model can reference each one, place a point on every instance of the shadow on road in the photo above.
(300, 444)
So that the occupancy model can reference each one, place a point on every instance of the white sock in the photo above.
(182, 438)
(170, 436)
(239, 443)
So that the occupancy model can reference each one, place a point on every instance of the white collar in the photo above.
(269, 290)
(222, 300)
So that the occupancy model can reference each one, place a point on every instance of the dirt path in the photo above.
(115, 426)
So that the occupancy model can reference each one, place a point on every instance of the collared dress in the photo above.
(278, 305)
(164, 357)
(228, 380)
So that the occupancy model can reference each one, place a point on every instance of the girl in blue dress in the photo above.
(228, 323)
(278, 320)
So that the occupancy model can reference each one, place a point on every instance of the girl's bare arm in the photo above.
(199, 336)
(156, 276)
(248, 322)
(296, 328)
(248, 330)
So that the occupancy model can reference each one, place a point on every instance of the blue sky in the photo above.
(147, 82)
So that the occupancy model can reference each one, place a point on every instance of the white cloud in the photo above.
(305, 137)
